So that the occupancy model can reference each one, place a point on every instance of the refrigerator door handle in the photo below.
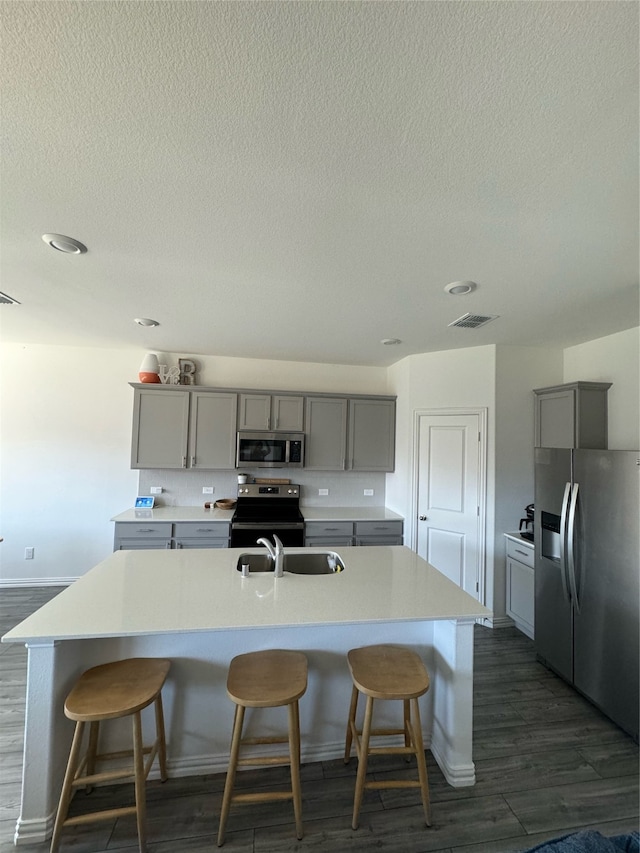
(563, 542)
(571, 561)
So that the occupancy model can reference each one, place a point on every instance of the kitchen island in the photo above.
(196, 608)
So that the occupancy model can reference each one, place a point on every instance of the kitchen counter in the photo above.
(202, 591)
(196, 609)
(310, 513)
(175, 514)
(517, 537)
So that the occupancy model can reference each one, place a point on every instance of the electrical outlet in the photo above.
(368, 492)
(323, 491)
(208, 490)
(28, 553)
(155, 490)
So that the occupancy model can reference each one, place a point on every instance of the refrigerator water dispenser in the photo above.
(550, 546)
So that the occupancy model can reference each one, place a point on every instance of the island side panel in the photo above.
(452, 685)
(199, 714)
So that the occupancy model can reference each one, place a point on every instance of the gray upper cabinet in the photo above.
(372, 426)
(183, 429)
(326, 433)
(356, 434)
(212, 432)
(160, 428)
(282, 412)
(572, 415)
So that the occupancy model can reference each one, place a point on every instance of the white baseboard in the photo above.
(23, 583)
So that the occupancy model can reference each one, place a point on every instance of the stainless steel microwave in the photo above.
(270, 450)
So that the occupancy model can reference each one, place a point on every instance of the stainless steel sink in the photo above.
(314, 563)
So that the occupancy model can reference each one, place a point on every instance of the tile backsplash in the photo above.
(184, 488)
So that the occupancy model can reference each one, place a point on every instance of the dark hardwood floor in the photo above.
(547, 763)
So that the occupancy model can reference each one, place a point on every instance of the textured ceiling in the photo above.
(298, 180)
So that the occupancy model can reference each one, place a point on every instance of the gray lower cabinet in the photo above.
(184, 534)
(173, 428)
(328, 534)
(343, 533)
(521, 586)
(139, 536)
(379, 532)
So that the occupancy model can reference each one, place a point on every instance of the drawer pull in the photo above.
(330, 528)
(144, 530)
(205, 530)
(524, 553)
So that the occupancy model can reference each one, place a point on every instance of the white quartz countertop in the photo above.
(179, 591)
(349, 513)
(175, 513)
(310, 513)
(518, 538)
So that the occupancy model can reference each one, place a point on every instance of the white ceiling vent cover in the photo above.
(5, 299)
(473, 321)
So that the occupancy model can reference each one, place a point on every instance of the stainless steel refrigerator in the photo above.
(587, 570)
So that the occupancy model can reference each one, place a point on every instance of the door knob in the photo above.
(423, 518)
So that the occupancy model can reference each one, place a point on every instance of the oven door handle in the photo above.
(276, 525)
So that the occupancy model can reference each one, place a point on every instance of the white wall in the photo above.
(65, 444)
(64, 457)
(451, 379)
(518, 371)
(615, 359)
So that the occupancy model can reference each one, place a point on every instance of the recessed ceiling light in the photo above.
(145, 321)
(389, 342)
(460, 288)
(64, 244)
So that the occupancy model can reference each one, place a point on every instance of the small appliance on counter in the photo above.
(526, 524)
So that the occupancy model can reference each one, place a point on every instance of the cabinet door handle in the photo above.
(184, 461)
(193, 461)
(423, 518)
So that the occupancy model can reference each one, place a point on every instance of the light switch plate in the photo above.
(207, 490)
(368, 492)
(323, 491)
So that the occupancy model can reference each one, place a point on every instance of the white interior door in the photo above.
(450, 499)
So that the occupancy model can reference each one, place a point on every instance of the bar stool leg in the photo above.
(351, 721)
(422, 765)
(231, 772)
(363, 754)
(65, 796)
(162, 743)
(138, 763)
(407, 725)
(294, 759)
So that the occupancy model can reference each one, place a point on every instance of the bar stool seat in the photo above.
(387, 672)
(265, 679)
(106, 692)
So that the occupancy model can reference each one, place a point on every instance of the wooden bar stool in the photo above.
(387, 672)
(265, 679)
(119, 689)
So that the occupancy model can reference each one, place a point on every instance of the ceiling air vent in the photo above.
(5, 299)
(473, 321)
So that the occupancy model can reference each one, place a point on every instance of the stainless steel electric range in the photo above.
(263, 510)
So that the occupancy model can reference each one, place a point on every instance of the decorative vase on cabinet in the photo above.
(149, 369)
